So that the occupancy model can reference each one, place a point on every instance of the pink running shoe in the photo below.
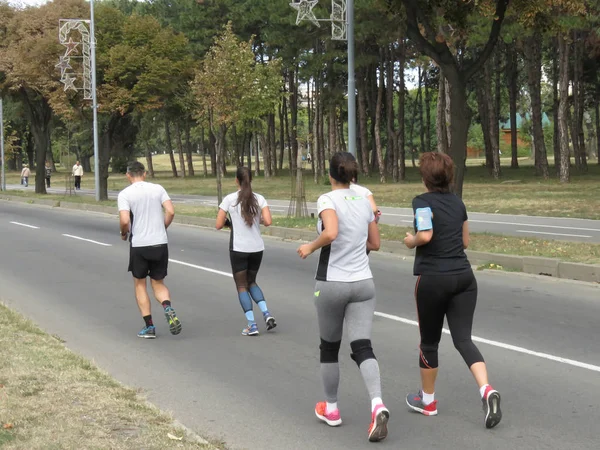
(378, 430)
(332, 419)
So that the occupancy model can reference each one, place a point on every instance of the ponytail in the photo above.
(246, 198)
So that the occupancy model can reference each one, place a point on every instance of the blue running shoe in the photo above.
(148, 332)
(269, 320)
(250, 330)
(174, 323)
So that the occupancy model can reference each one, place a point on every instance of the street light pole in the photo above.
(94, 101)
(351, 80)
(3, 184)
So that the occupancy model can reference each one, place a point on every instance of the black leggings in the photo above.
(455, 297)
(245, 268)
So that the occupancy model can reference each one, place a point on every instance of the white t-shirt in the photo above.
(77, 170)
(244, 239)
(360, 190)
(345, 259)
(144, 201)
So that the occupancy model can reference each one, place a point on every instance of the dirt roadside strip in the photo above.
(551, 267)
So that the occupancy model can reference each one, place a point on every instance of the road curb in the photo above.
(534, 265)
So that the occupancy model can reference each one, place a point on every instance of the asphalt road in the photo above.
(567, 229)
(259, 393)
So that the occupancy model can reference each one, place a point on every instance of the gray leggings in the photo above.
(353, 303)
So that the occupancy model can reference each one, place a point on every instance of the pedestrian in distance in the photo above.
(345, 291)
(145, 213)
(25, 173)
(246, 210)
(446, 285)
(48, 173)
(77, 173)
(366, 193)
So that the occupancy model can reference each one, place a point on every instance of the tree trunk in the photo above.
(493, 124)
(448, 112)
(420, 117)
(256, 153)
(311, 128)
(294, 110)
(512, 71)
(579, 99)
(597, 107)
(288, 134)
(331, 131)
(31, 153)
(188, 149)
(282, 135)
(427, 110)
(563, 109)
(400, 158)
(392, 141)
(459, 129)
(484, 118)
(441, 131)
(203, 151)
(212, 144)
(170, 147)
(234, 143)
(378, 107)
(321, 133)
(362, 124)
(39, 115)
(179, 142)
(533, 57)
(149, 162)
(273, 144)
(220, 135)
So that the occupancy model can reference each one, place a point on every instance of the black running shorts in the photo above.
(245, 261)
(149, 261)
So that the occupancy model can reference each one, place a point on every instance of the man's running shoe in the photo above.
(415, 402)
(174, 323)
(269, 320)
(250, 330)
(332, 419)
(148, 332)
(378, 430)
(491, 407)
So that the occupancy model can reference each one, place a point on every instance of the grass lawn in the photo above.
(51, 398)
(518, 192)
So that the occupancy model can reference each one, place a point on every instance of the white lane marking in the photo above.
(207, 269)
(87, 240)
(25, 225)
(514, 348)
(446, 331)
(553, 234)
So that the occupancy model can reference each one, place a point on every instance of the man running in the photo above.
(141, 213)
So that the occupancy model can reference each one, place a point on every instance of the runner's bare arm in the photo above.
(169, 212)
(124, 223)
(265, 217)
(466, 238)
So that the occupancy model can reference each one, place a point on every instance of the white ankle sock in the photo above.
(428, 398)
(376, 402)
(331, 407)
(482, 390)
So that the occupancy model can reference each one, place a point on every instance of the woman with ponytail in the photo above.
(345, 292)
(247, 211)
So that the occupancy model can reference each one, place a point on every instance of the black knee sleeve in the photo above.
(329, 351)
(361, 351)
(428, 357)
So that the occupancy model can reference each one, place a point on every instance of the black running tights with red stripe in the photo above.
(453, 296)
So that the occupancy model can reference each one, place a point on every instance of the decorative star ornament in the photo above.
(305, 11)
(68, 81)
(71, 46)
(63, 65)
